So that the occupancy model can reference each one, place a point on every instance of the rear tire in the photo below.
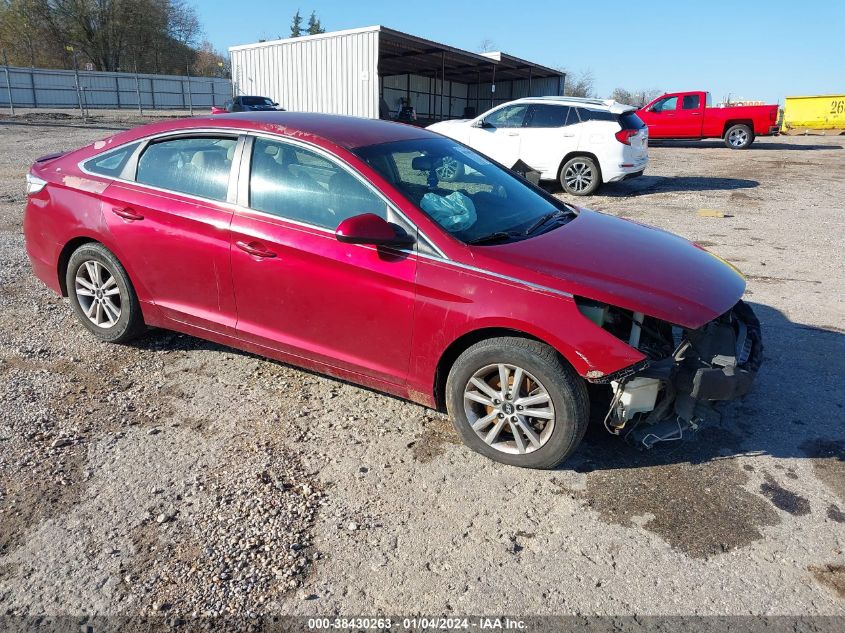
(739, 136)
(580, 176)
(539, 382)
(102, 295)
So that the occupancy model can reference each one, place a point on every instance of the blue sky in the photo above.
(760, 49)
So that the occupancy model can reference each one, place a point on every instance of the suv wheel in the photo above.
(449, 169)
(101, 294)
(739, 136)
(580, 176)
(517, 402)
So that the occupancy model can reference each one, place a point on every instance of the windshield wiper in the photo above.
(498, 236)
(557, 213)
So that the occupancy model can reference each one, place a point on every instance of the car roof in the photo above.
(608, 105)
(346, 131)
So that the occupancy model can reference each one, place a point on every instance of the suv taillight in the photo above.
(624, 136)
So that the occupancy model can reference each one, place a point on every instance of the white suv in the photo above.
(580, 142)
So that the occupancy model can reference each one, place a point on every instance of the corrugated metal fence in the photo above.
(39, 88)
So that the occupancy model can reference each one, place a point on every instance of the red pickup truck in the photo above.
(690, 115)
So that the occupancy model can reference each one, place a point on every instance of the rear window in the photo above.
(630, 121)
(198, 166)
(111, 163)
(256, 101)
(596, 115)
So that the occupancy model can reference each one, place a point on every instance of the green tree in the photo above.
(296, 25)
(314, 26)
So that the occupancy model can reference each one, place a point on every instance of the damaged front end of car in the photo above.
(674, 390)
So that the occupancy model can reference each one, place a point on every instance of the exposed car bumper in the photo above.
(664, 399)
(624, 171)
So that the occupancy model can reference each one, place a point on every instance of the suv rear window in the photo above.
(630, 121)
(596, 115)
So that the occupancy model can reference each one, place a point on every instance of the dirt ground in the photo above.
(176, 476)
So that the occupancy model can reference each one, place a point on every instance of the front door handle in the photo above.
(256, 249)
(128, 213)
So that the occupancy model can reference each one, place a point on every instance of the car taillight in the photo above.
(34, 184)
(624, 136)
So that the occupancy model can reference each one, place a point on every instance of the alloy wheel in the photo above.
(98, 294)
(737, 138)
(447, 169)
(579, 176)
(509, 409)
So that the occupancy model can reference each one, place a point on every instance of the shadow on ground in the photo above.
(759, 144)
(663, 184)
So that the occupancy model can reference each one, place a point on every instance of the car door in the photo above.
(689, 116)
(550, 132)
(497, 133)
(661, 120)
(301, 291)
(170, 218)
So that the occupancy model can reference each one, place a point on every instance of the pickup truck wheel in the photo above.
(739, 136)
(580, 176)
(517, 402)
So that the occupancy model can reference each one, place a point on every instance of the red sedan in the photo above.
(331, 243)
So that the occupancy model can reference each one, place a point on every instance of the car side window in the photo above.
(665, 104)
(509, 116)
(295, 183)
(691, 102)
(596, 115)
(547, 116)
(198, 166)
(111, 163)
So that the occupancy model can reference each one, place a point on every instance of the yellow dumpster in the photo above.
(824, 112)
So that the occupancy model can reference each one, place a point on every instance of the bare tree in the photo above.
(636, 97)
(151, 35)
(579, 84)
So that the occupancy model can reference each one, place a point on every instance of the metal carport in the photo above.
(354, 71)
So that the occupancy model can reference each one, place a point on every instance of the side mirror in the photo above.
(368, 228)
(481, 123)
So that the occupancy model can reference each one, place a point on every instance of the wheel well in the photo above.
(457, 348)
(572, 155)
(730, 124)
(64, 258)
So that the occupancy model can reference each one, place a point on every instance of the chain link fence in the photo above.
(90, 90)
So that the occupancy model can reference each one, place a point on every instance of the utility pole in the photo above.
(190, 96)
(8, 82)
(71, 49)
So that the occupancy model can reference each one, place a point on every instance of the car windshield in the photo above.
(256, 101)
(474, 199)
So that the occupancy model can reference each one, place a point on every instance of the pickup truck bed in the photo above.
(686, 115)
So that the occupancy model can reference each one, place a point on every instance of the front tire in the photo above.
(739, 136)
(536, 421)
(102, 295)
(580, 176)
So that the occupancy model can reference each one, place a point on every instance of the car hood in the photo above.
(451, 123)
(626, 264)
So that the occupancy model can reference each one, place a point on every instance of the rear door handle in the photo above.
(128, 213)
(256, 249)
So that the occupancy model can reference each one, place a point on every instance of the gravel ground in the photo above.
(177, 476)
